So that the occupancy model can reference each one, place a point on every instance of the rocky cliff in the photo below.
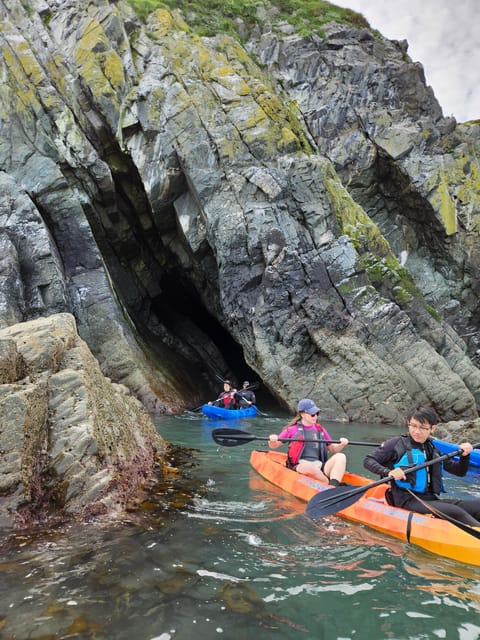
(298, 199)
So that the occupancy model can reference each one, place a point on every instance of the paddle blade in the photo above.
(194, 410)
(232, 437)
(329, 502)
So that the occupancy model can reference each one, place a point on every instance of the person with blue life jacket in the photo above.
(310, 455)
(413, 448)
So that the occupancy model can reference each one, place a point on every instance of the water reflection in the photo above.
(213, 550)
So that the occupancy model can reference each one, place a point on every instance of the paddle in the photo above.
(250, 404)
(253, 386)
(328, 502)
(194, 409)
(236, 437)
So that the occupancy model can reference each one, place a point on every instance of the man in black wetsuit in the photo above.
(414, 448)
(245, 397)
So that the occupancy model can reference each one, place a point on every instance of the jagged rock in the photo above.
(72, 443)
(317, 210)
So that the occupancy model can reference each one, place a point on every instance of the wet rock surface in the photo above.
(72, 443)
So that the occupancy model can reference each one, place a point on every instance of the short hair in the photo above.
(424, 414)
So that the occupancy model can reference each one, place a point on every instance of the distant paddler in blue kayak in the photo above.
(227, 398)
(245, 397)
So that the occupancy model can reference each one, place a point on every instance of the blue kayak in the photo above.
(220, 413)
(447, 447)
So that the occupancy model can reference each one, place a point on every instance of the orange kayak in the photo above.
(436, 535)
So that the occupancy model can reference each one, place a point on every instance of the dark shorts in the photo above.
(294, 466)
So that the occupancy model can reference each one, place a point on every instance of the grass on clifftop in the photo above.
(209, 17)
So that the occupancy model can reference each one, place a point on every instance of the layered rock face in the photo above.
(72, 443)
(172, 192)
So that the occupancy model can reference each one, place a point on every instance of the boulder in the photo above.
(72, 443)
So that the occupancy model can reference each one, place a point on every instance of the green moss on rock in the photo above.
(218, 77)
(211, 17)
(99, 65)
(162, 22)
(445, 205)
(375, 257)
(352, 219)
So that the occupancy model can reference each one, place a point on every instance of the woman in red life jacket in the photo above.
(310, 456)
(227, 398)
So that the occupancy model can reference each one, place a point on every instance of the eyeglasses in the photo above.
(313, 415)
(419, 428)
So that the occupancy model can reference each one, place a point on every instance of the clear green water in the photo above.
(219, 553)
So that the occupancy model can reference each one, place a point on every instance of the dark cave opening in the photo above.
(179, 303)
(178, 307)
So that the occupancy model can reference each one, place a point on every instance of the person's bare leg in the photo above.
(313, 469)
(335, 467)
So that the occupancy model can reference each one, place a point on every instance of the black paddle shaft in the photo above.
(235, 437)
(331, 501)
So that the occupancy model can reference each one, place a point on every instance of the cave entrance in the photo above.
(181, 310)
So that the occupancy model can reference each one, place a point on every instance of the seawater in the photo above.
(214, 551)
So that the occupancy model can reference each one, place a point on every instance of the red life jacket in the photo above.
(228, 399)
(295, 449)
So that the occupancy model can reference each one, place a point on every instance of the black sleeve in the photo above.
(457, 467)
(382, 459)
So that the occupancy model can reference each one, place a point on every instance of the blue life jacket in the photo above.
(417, 481)
(424, 480)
